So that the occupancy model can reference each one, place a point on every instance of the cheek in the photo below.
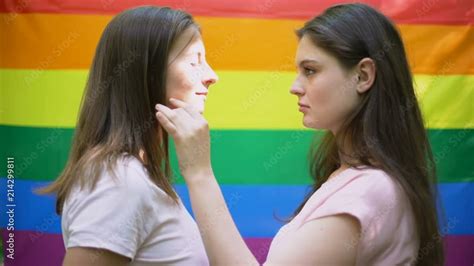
(320, 96)
(320, 102)
(331, 101)
(193, 76)
(179, 83)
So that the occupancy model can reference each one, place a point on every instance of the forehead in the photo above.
(308, 50)
(196, 45)
(189, 42)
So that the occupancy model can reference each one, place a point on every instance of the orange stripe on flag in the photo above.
(52, 41)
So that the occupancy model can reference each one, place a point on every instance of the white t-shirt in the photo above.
(131, 216)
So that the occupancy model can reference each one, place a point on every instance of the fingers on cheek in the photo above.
(161, 119)
(161, 116)
(165, 123)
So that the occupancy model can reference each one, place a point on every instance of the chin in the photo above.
(198, 106)
(200, 109)
(311, 123)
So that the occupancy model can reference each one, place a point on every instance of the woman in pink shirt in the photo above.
(374, 198)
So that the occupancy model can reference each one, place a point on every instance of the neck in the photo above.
(141, 152)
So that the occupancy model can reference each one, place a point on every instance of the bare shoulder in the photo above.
(331, 239)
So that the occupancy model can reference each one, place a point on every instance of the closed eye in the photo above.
(198, 60)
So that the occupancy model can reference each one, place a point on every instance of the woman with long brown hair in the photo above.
(115, 195)
(374, 197)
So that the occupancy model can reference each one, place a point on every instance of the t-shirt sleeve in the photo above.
(113, 215)
(371, 197)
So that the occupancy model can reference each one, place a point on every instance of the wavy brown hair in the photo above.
(117, 115)
(386, 130)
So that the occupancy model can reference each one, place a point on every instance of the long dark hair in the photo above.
(386, 130)
(117, 116)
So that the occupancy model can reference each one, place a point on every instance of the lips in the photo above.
(303, 105)
(201, 93)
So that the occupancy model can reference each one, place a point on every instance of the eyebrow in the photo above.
(308, 61)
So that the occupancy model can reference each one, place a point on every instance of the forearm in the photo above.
(190, 131)
(222, 240)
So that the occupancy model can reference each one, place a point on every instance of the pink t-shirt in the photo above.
(131, 216)
(388, 234)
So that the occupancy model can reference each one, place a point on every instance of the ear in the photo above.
(366, 70)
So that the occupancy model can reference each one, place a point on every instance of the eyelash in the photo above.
(306, 70)
(195, 63)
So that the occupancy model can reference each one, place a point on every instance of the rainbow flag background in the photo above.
(259, 147)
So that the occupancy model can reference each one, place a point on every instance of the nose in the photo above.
(210, 77)
(296, 88)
